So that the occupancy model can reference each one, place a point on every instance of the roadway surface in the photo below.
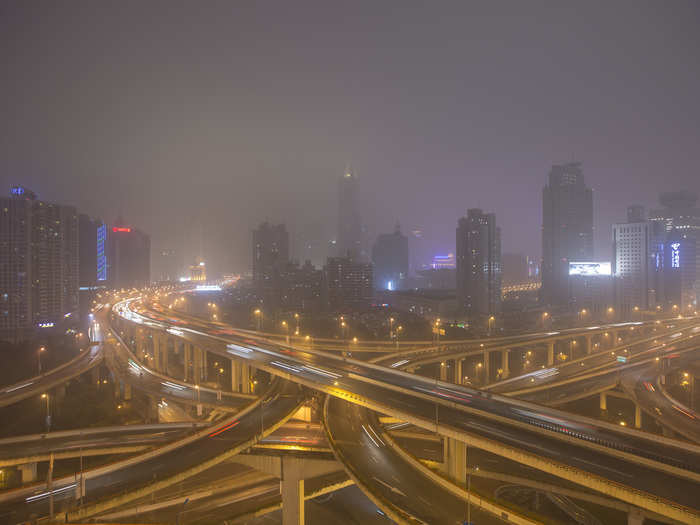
(460, 349)
(644, 386)
(125, 365)
(19, 505)
(602, 359)
(72, 443)
(531, 428)
(382, 473)
(37, 385)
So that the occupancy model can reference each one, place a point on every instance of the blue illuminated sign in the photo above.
(17, 190)
(675, 255)
(101, 257)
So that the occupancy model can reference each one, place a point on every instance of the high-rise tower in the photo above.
(567, 229)
(349, 241)
(478, 264)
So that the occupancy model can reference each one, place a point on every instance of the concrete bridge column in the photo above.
(187, 358)
(205, 365)
(550, 353)
(459, 377)
(156, 351)
(454, 457)
(505, 365)
(292, 492)
(197, 367)
(587, 344)
(637, 416)
(443, 371)
(235, 376)
(635, 517)
(603, 401)
(245, 372)
(28, 472)
(487, 367)
(164, 351)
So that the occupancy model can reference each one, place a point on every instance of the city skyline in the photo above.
(480, 128)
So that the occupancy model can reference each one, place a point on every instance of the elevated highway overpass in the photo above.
(467, 415)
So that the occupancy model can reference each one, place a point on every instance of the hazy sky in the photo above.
(223, 114)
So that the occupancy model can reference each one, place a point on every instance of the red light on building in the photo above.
(124, 230)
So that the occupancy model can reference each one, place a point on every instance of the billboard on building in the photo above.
(591, 269)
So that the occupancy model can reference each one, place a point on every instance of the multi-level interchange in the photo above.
(412, 443)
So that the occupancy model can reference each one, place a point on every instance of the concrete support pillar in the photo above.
(459, 373)
(587, 344)
(197, 372)
(505, 365)
(245, 372)
(603, 401)
(164, 351)
(187, 359)
(455, 460)
(550, 353)
(235, 375)
(443, 371)
(487, 367)
(292, 493)
(637, 416)
(28, 472)
(205, 365)
(127, 392)
(156, 351)
(635, 517)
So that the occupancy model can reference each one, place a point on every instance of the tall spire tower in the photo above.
(349, 224)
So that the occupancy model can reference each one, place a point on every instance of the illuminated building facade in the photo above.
(632, 263)
(348, 284)
(591, 289)
(198, 271)
(38, 264)
(677, 236)
(478, 264)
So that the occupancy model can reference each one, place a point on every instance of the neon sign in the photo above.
(17, 190)
(590, 268)
(675, 255)
(123, 230)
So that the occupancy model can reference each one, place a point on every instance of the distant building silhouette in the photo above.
(270, 258)
(349, 242)
(567, 229)
(390, 260)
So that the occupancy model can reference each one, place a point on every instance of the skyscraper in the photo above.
(38, 263)
(390, 259)
(679, 218)
(270, 258)
(567, 229)
(349, 241)
(128, 256)
(632, 249)
(478, 264)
